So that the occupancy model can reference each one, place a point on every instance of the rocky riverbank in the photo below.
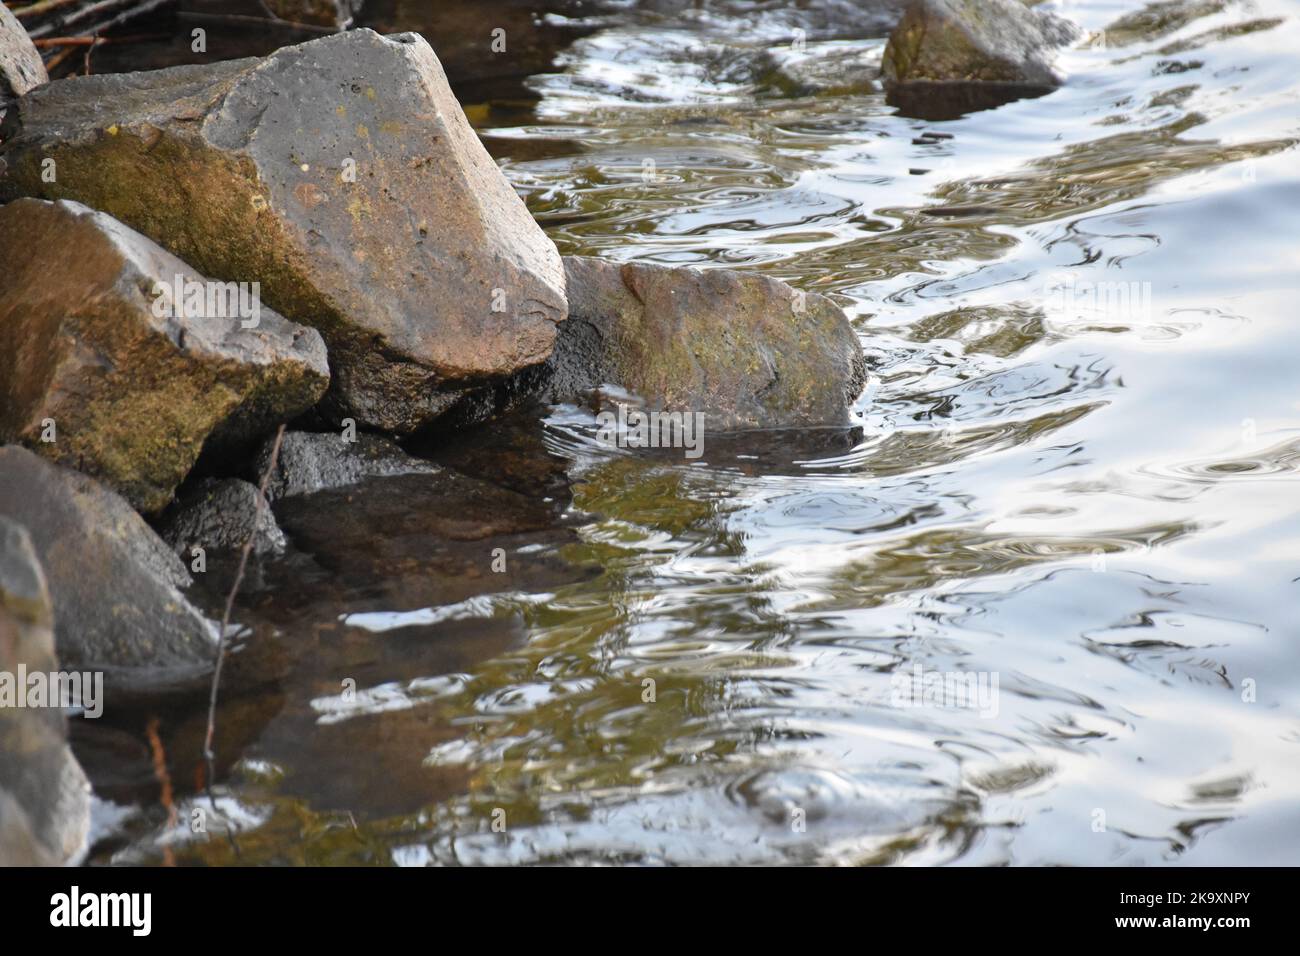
(198, 255)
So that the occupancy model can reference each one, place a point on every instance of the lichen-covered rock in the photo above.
(968, 54)
(94, 377)
(221, 514)
(311, 461)
(44, 796)
(745, 350)
(21, 68)
(114, 584)
(342, 175)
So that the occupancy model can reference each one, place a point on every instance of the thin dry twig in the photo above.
(209, 756)
(36, 9)
(67, 41)
(101, 17)
(58, 58)
(195, 16)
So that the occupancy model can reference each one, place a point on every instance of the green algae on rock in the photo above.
(94, 377)
(340, 174)
(745, 350)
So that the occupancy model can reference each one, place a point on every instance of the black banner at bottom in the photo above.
(338, 905)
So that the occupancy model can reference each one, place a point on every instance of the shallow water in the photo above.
(1076, 478)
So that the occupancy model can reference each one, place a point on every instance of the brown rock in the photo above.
(745, 350)
(342, 175)
(948, 57)
(91, 376)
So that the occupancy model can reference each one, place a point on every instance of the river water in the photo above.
(1073, 486)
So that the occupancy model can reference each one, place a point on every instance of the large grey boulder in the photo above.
(342, 175)
(745, 350)
(946, 57)
(21, 68)
(94, 377)
(114, 584)
(44, 795)
(310, 461)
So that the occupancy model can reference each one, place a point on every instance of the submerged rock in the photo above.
(342, 175)
(826, 69)
(21, 68)
(407, 542)
(948, 57)
(44, 796)
(115, 585)
(221, 514)
(311, 461)
(745, 350)
(94, 377)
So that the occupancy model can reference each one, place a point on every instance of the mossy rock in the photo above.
(340, 174)
(745, 350)
(970, 54)
(93, 376)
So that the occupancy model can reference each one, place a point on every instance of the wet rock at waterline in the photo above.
(221, 514)
(103, 366)
(949, 57)
(115, 585)
(21, 68)
(312, 461)
(746, 351)
(44, 796)
(341, 175)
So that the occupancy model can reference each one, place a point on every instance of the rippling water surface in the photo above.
(1074, 479)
